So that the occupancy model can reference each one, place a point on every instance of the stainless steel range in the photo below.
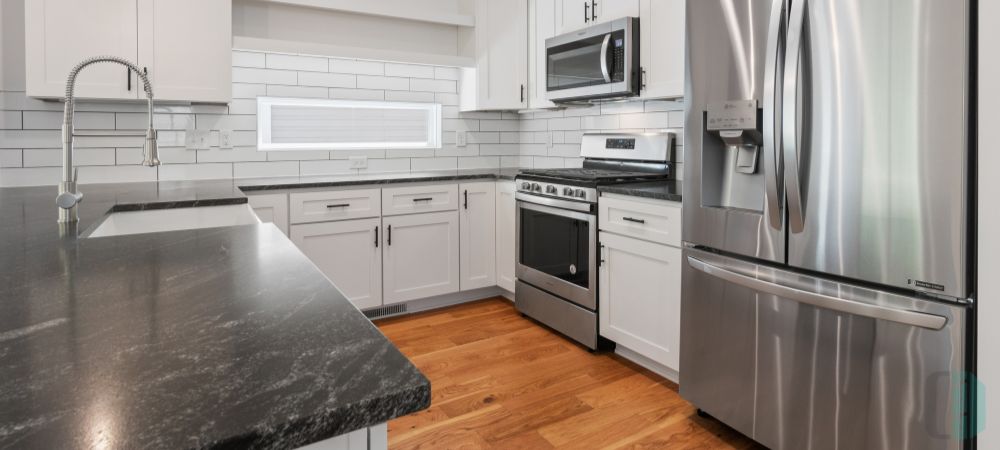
(557, 227)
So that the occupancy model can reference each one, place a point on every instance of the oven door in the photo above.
(557, 248)
(594, 62)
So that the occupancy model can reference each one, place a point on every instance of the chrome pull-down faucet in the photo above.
(69, 197)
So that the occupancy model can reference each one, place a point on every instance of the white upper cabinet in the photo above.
(184, 45)
(61, 33)
(661, 48)
(541, 26)
(187, 47)
(501, 54)
(477, 228)
(576, 14)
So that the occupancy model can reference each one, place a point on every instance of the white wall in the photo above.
(989, 222)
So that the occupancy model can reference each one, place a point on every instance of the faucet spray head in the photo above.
(150, 155)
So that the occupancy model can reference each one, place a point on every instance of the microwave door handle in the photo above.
(772, 112)
(604, 58)
(790, 113)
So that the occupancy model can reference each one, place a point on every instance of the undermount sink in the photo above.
(159, 220)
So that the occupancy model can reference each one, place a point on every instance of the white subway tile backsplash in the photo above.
(334, 80)
(409, 70)
(566, 123)
(295, 62)
(356, 94)
(10, 158)
(10, 120)
(267, 76)
(499, 149)
(117, 174)
(161, 122)
(545, 162)
(498, 125)
(248, 59)
(238, 154)
(565, 150)
(424, 164)
(328, 167)
(479, 162)
(249, 90)
(49, 120)
(30, 138)
(515, 161)
(243, 106)
(296, 91)
(447, 99)
(408, 96)
(645, 120)
(52, 157)
(446, 73)
(298, 155)
(608, 122)
(452, 150)
(387, 165)
(376, 82)
(622, 107)
(534, 149)
(265, 169)
(225, 122)
(460, 125)
(30, 176)
(444, 86)
(212, 171)
(339, 65)
(481, 137)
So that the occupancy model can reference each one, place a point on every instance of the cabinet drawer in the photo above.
(419, 199)
(651, 220)
(326, 206)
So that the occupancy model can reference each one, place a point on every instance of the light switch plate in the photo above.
(359, 162)
(461, 138)
(226, 139)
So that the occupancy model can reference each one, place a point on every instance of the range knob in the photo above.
(526, 186)
(568, 192)
(536, 187)
(580, 193)
(551, 189)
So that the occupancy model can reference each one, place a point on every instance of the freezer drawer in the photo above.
(801, 362)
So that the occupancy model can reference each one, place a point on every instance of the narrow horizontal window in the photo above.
(318, 124)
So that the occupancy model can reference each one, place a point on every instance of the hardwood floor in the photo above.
(502, 381)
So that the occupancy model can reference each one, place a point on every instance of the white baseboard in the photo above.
(441, 301)
(649, 364)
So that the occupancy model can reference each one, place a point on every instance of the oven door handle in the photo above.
(554, 202)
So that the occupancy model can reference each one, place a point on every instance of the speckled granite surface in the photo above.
(224, 337)
(661, 190)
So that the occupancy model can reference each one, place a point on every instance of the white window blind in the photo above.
(318, 124)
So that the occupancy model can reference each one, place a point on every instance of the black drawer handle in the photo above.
(376, 236)
(388, 235)
(629, 219)
(339, 205)
(423, 199)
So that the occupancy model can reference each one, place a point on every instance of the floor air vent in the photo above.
(385, 311)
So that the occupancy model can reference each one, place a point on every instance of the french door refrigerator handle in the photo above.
(845, 305)
(789, 116)
(604, 58)
(772, 111)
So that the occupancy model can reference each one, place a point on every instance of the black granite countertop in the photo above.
(223, 337)
(661, 190)
(260, 184)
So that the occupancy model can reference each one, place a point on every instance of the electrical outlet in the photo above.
(359, 162)
(461, 138)
(196, 139)
(226, 139)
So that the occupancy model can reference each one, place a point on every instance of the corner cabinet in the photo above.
(477, 244)
(271, 208)
(420, 257)
(358, 277)
(190, 66)
(501, 55)
(661, 48)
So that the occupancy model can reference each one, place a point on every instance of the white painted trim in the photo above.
(408, 10)
(988, 241)
(372, 54)
(442, 301)
(649, 364)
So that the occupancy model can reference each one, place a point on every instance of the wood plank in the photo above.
(500, 381)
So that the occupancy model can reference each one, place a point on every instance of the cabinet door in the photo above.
(349, 254)
(187, 47)
(61, 33)
(640, 297)
(505, 234)
(502, 53)
(607, 10)
(572, 15)
(661, 48)
(420, 255)
(271, 208)
(477, 227)
(541, 26)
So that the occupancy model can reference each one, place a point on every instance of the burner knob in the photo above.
(568, 192)
(580, 193)
(551, 190)
(536, 187)
(526, 186)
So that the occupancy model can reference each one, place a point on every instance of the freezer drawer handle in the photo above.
(912, 318)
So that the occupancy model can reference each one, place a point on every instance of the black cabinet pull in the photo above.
(376, 236)
(586, 13)
(629, 219)
(423, 199)
(339, 205)
(593, 10)
(466, 199)
(388, 235)
(128, 78)
(522, 93)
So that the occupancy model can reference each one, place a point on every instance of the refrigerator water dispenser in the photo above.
(732, 140)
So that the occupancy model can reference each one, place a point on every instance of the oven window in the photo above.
(576, 64)
(556, 245)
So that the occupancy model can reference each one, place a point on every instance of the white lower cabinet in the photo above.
(271, 208)
(420, 256)
(506, 210)
(477, 230)
(374, 438)
(349, 253)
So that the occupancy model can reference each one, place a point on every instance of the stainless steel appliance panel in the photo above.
(578, 323)
(732, 49)
(834, 365)
(875, 121)
(600, 61)
(557, 249)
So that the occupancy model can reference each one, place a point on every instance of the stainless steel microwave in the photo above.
(601, 61)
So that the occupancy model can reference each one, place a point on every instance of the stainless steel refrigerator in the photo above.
(827, 211)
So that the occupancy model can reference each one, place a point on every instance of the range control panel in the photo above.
(582, 194)
(620, 144)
